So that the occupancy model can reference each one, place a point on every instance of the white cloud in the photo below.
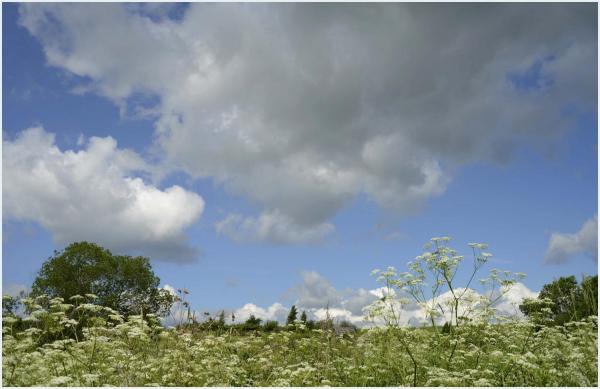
(274, 312)
(273, 227)
(562, 247)
(94, 195)
(300, 108)
(338, 315)
(510, 301)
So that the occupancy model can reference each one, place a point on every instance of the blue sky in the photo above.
(510, 174)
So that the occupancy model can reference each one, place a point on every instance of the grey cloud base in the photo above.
(563, 246)
(301, 107)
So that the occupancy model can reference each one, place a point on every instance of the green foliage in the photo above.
(252, 324)
(588, 303)
(292, 315)
(303, 317)
(347, 324)
(126, 284)
(446, 328)
(563, 301)
(270, 326)
(9, 305)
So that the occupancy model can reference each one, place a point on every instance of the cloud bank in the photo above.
(562, 247)
(301, 107)
(96, 194)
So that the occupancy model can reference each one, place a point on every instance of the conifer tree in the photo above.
(292, 315)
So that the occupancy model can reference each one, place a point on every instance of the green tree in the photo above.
(563, 293)
(564, 300)
(252, 324)
(303, 317)
(588, 303)
(126, 284)
(292, 315)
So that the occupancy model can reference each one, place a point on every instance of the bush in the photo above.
(270, 326)
(252, 324)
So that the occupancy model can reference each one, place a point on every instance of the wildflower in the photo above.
(31, 319)
(60, 381)
(90, 378)
(9, 320)
(482, 382)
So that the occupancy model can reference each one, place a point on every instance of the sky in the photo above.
(264, 155)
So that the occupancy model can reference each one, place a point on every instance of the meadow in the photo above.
(140, 352)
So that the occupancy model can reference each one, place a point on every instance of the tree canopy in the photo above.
(124, 283)
(565, 300)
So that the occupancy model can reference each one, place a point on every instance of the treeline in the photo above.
(219, 324)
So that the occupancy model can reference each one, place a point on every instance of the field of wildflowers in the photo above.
(139, 352)
(80, 343)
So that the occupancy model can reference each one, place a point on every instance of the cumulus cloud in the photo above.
(510, 301)
(563, 247)
(315, 291)
(96, 194)
(300, 107)
(274, 312)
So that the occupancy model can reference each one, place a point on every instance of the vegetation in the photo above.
(123, 283)
(464, 341)
(140, 352)
(292, 315)
(563, 301)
